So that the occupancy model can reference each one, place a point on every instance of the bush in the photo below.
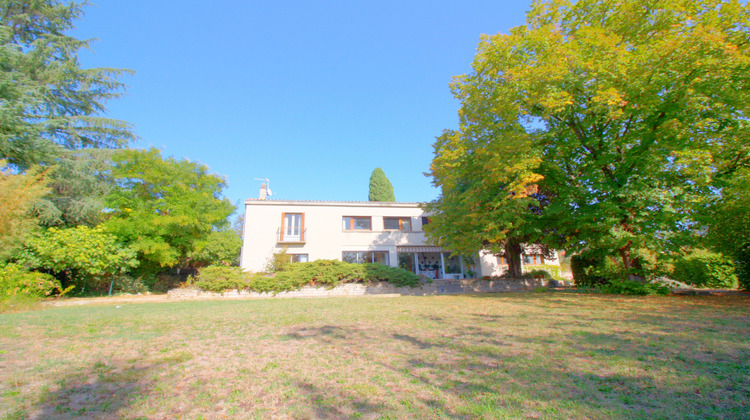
(127, 284)
(742, 267)
(331, 273)
(86, 257)
(328, 273)
(630, 287)
(17, 282)
(705, 269)
(217, 278)
(547, 271)
(393, 275)
(592, 268)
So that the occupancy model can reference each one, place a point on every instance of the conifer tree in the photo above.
(50, 103)
(380, 187)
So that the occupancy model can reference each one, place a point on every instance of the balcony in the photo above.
(291, 235)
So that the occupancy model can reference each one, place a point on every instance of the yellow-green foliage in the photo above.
(17, 195)
(16, 281)
(217, 278)
(86, 255)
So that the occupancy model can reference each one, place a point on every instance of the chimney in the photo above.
(263, 189)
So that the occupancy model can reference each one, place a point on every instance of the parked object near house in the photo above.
(389, 233)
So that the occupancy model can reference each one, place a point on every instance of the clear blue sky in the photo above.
(313, 95)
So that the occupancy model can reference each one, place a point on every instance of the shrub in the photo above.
(331, 273)
(128, 284)
(592, 268)
(742, 267)
(217, 278)
(548, 271)
(17, 282)
(328, 273)
(83, 256)
(279, 261)
(538, 273)
(630, 287)
(705, 269)
(393, 275)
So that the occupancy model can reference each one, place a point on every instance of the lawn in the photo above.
(512, 355)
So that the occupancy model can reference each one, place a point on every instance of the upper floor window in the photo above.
(425, 220)
(397, 223)
(357, 223)
(292, 227)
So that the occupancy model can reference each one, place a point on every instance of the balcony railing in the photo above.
(295, 235)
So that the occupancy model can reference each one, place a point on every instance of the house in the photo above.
(389, 233)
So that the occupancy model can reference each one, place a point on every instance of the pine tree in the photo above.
(50, 103)
(380, 187)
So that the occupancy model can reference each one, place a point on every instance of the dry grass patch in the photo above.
(533, 355)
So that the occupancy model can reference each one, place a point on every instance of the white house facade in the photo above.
(384, 232)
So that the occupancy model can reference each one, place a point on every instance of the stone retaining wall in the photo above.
(437, 287)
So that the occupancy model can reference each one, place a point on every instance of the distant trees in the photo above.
(74, 202)
(626, 116)
(380, 187)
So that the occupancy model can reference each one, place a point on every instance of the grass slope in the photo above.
(533, 355)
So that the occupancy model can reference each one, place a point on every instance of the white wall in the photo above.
(325, 237)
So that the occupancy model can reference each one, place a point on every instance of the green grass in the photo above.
(532, 355)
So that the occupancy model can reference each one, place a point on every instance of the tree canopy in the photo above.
(380, 187)
(162, 208)
(626, 115)
(49, 102)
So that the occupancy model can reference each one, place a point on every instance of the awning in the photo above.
(419, 249)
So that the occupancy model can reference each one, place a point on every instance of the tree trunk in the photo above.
(513, 251)
(631, 264)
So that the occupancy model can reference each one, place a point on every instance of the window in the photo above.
(357, 223)
(502, 261)
(298, 257)
(425, 220)
(362, 257)
(533, 259)
(397, 223)
(292, 227)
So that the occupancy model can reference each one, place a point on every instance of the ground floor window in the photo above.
(298, 257)
(533, 259)
(452, 264)
(430, 264)
(362, 257)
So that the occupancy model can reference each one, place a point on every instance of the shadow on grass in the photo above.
(98, 391)
(467, 367)
(326, 407)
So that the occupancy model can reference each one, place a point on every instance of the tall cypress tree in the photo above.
(380, 187)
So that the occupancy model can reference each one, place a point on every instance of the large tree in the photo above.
(728, 221)
(628, 114)
(162, 208)
(49, 102)
(482, 207)
(381, 188)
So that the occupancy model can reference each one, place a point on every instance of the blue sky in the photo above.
(313, 95)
